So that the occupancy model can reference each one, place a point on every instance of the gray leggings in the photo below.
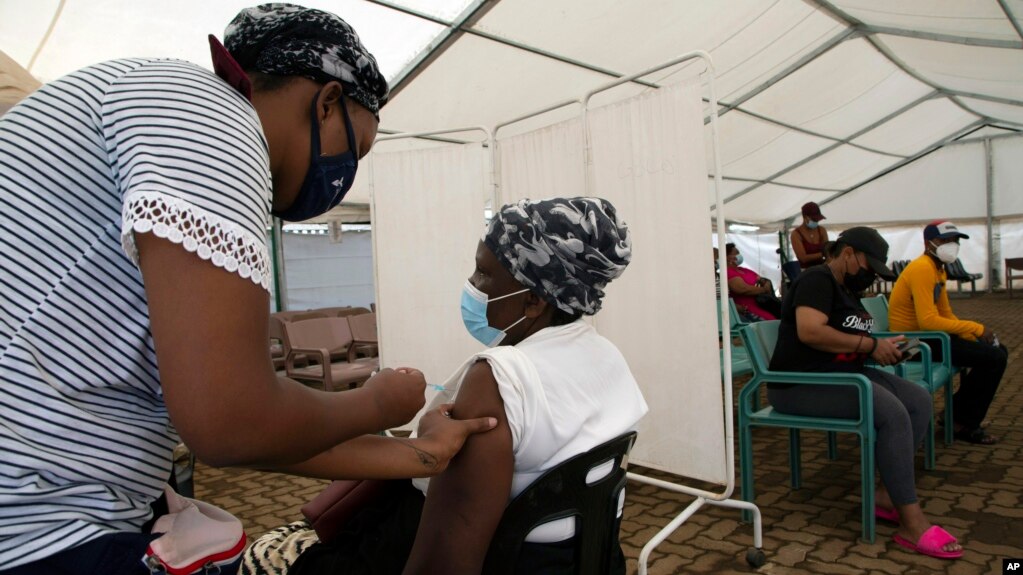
(902, 411)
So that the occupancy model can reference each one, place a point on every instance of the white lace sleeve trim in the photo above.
(207, 235)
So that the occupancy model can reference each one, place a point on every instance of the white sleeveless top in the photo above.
(566, 390)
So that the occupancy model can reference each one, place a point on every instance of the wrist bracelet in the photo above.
(858, 344)
(873, 347)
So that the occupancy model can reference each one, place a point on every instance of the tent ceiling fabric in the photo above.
(819, 97)
(970, 19)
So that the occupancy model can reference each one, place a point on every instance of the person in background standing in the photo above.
(809, 238)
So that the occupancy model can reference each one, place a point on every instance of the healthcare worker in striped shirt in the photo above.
(134, 274)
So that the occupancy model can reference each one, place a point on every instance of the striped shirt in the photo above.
(122, 147)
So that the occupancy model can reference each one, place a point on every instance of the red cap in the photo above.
(812, 211)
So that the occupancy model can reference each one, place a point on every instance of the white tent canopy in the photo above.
(861, 105)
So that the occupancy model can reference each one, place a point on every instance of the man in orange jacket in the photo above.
(919, 301)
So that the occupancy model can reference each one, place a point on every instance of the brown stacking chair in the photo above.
(277, 346)
(315, 338)
(1013, 264)
(351, 311)
(334, 311)
(308, 314)
(364, 334)
(288, 315)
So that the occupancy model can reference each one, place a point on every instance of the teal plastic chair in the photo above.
(760, 339)
(741, 364)
(933, 376)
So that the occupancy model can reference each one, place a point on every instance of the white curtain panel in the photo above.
(427, 221)
(543, 163)
(648, 159)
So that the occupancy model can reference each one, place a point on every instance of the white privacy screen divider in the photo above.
(427, 220)
(543, 163)
(648, 159)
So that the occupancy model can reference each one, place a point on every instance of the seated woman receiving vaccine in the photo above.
(556, 387)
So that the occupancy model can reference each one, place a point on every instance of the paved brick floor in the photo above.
(976, 492)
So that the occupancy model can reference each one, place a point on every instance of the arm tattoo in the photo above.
(428, 460)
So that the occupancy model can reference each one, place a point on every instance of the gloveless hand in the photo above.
(887, 352)
(399, 394)
(441, 436)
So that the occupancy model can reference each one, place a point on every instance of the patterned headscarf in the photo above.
(289, 40)
(564, 249)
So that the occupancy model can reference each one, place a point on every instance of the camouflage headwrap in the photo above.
(564, 249)
(289, 40)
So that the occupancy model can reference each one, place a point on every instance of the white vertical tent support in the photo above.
(703, 497)
(989, 190)
(754, 556)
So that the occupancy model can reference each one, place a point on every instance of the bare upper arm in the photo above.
(211, 332)
(466, 501)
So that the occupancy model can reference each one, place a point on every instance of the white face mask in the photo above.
(947, 253)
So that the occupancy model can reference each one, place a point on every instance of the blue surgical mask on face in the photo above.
(328, 178)
(812, 224)
(738, 259)
(474, 315)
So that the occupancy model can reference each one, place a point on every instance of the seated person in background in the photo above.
(749, 290)
(557, 388)
(809, 237)
(824, 328)
(919, 301)
(744, 313)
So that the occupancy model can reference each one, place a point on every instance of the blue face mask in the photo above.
(329, 177)
(474, 315)
(812, 224)
(738, 259)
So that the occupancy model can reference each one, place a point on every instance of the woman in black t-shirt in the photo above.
(824, 328)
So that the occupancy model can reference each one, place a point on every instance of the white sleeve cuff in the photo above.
(205, 234)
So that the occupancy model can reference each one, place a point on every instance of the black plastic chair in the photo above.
(563, 492)
(884, 286)
(791, 269)
(958, 273)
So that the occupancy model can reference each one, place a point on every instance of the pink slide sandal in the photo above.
(931, 543)
(889, 515)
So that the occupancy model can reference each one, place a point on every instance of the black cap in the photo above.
(872, 245)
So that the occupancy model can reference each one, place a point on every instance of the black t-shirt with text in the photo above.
(817, 288)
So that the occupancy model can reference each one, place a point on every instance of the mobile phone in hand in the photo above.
(908, 347)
